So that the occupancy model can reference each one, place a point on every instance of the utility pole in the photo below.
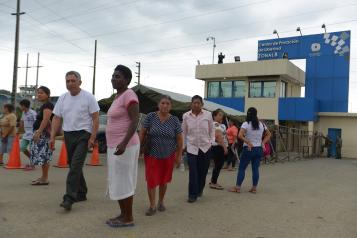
(27, 68)
(94, 66)
(38, 66)
(138, 65)
(16, 53)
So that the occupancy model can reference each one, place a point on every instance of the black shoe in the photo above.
(81, 199)
(191, 200)
(67, 205)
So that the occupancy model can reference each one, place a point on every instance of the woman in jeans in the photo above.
(7, 130)
(251, 133)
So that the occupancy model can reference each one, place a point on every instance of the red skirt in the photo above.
(158, 171)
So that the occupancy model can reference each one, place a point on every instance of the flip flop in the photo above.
(215, 186)
(119, 224)
(253, 190)
(39, 183)
(161, 208)
(234, 190)
(114, 219)
(150, 212)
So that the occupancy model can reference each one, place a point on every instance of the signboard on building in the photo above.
(327, 65)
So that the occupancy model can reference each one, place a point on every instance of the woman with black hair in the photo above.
(41, 154)
(219, 147)
(251, 133)
(123, 147)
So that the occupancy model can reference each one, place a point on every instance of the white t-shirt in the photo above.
(76, 111)
(28, 118)
(253, 136)
(223, 129)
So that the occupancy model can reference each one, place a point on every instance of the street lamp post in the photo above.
(214, 45)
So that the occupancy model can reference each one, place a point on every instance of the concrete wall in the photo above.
(267, 107)
(248, 69)
(347, 122)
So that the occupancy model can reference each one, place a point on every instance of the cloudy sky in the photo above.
(167, 37)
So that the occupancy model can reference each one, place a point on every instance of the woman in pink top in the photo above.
(123, 147)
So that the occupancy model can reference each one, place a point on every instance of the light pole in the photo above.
(214, 45)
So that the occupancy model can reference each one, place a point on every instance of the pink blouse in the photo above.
(118, 120)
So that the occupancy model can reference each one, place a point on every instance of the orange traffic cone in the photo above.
(14, 158)
(62, 160)
(95, 156)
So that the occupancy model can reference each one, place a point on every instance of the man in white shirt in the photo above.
(79, 111)
(26, 123)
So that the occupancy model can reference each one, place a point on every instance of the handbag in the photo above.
(146, 143)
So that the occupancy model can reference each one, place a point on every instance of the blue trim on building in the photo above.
(235, 103)
(298, 109)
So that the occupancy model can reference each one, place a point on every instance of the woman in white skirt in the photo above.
(123, 147)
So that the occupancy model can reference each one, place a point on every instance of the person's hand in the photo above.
(120, 149)
(36, 136)
(250, 146)
(52, 143)
(263, 146)
(225, 150)
(91, 143)
(178, 160)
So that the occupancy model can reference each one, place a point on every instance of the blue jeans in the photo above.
(198, 168)
(247, 156)
(6, 144)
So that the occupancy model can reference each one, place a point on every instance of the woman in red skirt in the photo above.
(163, 134)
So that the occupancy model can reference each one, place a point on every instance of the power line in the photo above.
(178, 20)
(236, 26)
(57, 35)
(56, 14)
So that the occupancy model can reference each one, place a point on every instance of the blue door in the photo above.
(333, 133)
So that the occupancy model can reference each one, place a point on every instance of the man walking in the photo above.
(26, 123)
(79, 111)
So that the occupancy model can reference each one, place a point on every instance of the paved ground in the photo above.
(315, 198)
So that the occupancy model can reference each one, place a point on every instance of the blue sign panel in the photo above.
(327, 65)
